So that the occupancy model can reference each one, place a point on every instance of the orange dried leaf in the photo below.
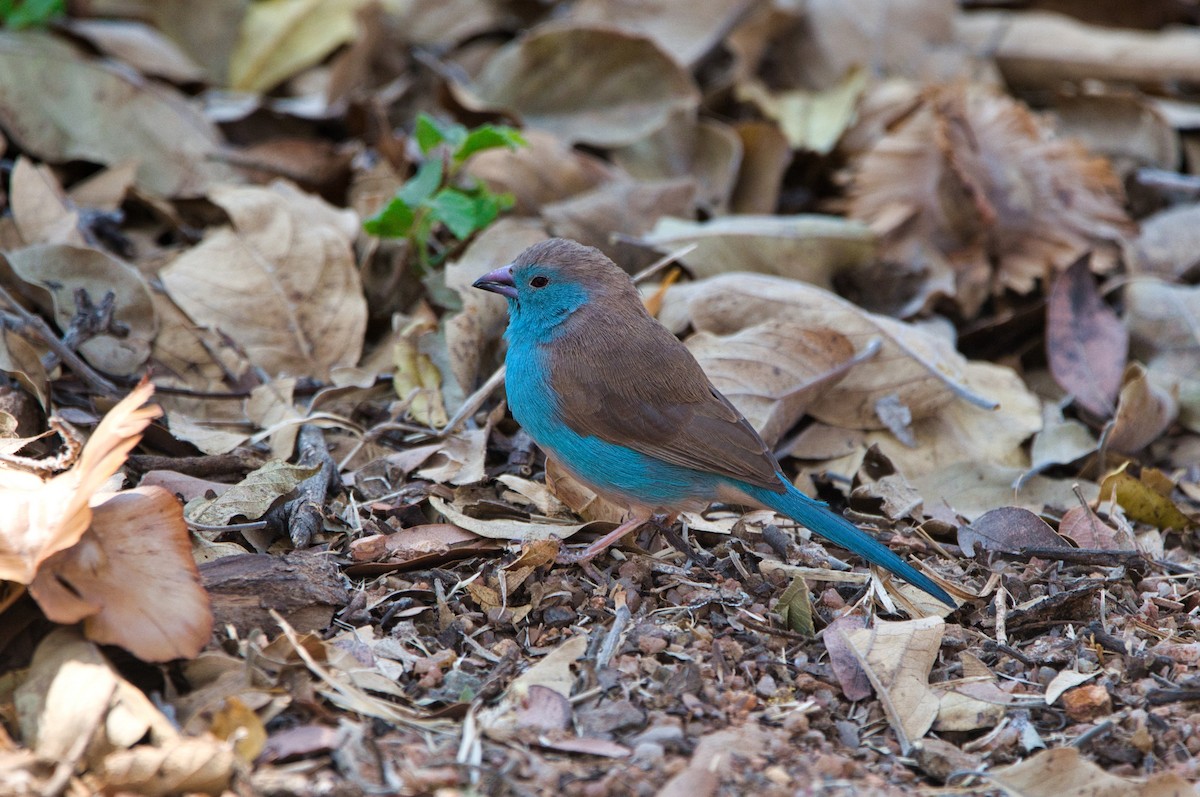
(40, 518)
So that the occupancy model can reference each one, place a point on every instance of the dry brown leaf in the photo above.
(1064, 772)
(686, 31)
(973, 488)
(523, 531)
(140, 46)
(1010, 529)
(810, 120)
(1083, 527)
(1168, 245)
(591, 85)
(178, 766)
(850, 675)
(973, 702)
(131, 579)
(772, 372)
(1086, 343)
(1162, 317)
(809, 247)
(252, 497)
(52, 273)
(898, 657)
(1126, 128)
(1144, 411)
(282, 281)
(1042, 50)
(39, 206)
(704, 150)
(974, 179)
(22, 363)
(38, 519)
(923, 370)
(279, 38)
(553, 673)
(618, 208)
(548, 170)
(765, 159)
(109, 116)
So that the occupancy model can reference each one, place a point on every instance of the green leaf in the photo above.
(459, 212)
(420, 186)
(18, 14)
(488, 137)
(394, 220)
(430, 132)
(795, 608)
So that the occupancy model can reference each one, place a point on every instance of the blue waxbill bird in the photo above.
(622, 404)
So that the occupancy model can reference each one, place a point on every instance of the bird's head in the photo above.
(550, 281)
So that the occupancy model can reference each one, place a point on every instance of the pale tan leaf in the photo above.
(548, 170)
(139, 45)
(282, 281)
(687, 31)
(898, 658)
(279, 38)
(765, 159)
(1064, 772)
(39, 206)
(505, 529)
(707, 151)
(108, 116)
(972, 488)
(1144, 411)
(252, 497)
(592, 85)
(552, 672)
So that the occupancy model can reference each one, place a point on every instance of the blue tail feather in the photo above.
(817, 517)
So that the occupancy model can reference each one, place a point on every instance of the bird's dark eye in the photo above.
(539, 281)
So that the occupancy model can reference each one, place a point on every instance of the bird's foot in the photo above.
(596, 548)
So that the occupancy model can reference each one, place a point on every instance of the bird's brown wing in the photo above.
(624, 378)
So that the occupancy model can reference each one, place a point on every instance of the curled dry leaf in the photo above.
(810, 248)
(707, 151)
(810, 120)
(1086, 343)
(773, 371)
(552, 673)
(131, 579)
(54, 272)
(766, 156)
(974, 179)
(39, 206)
(40, 518)
(281, 282)
(686, 31)
(141, 46)
(525, 531)
(1144, 411)
(109, 116)
(592, 85)
(898, 658)
(21, 362)
(923, 370)
(1064, 772)
(1009, 529)
(279, 39)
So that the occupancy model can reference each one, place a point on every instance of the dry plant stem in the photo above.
(203, 466)
(302, 516)
(28, 320)
(597, 547)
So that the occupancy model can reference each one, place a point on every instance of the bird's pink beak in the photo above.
(499, 281)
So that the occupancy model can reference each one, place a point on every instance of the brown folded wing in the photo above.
(629, 381)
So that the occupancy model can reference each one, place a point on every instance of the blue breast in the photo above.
(611, 468)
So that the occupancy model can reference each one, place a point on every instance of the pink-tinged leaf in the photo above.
(1010, 529)
(849, 673)
(1086, 343)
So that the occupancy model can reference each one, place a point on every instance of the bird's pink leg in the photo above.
(597, 547)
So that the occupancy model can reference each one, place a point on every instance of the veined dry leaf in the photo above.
(281, 282)
(975, 179)
(54, 272)
(107, 116)
(1144, 411)
(1064, 772)
(141, 46)
(921, 369)
(1038, 50)
(1082, 526)
(1086, 344)
(279, 38)
(773, 371)
(619, 207)
(592, 85)
(687, 31)
(812, 120)
(972, 488)
(39, 206)
(525, 531)
(898, 657)
(850, 675)
(973, 702)
(811, 248)
(707, 151)
(40, 518)
(552, 672)
(252, 497)
(131, 578)
(1009, 529)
